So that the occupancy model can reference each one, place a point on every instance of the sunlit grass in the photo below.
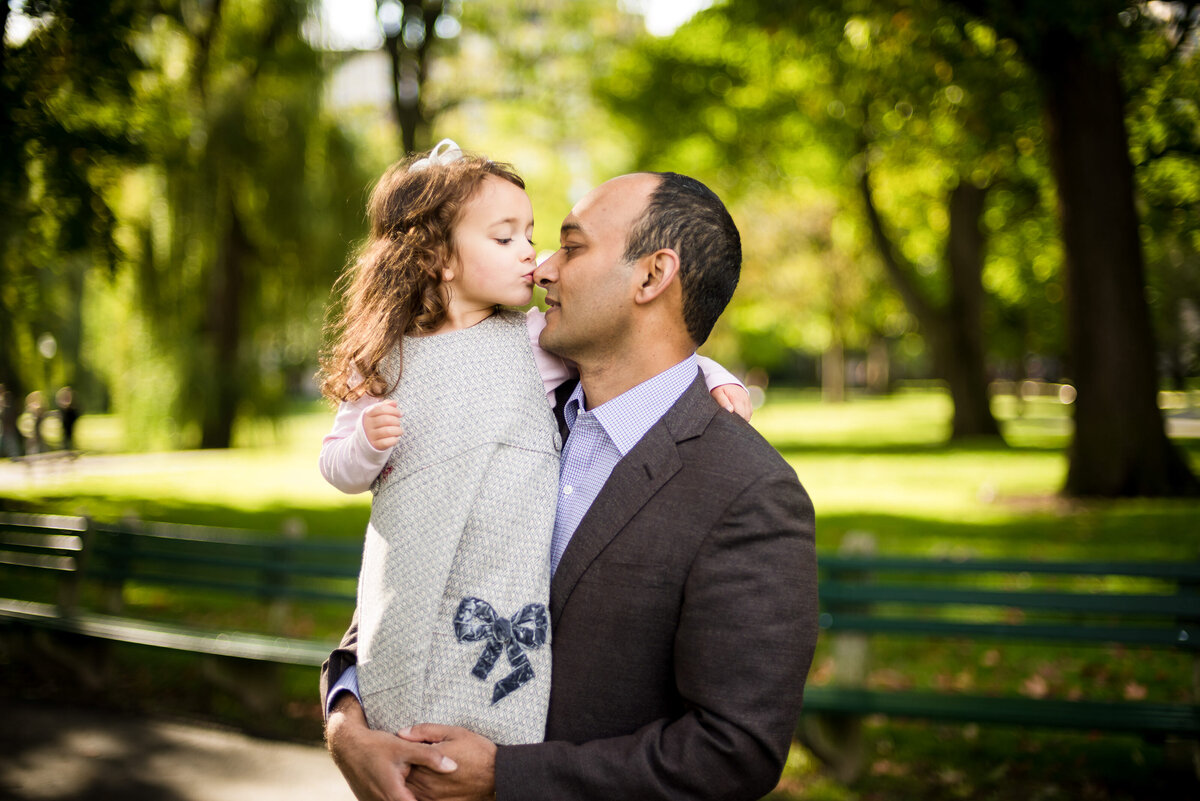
(875, 462)
(888, 455)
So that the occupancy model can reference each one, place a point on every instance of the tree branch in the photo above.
(898, 268)
(203, 49)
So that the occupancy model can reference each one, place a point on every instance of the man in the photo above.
(683, 603)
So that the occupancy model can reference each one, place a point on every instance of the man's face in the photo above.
(589, 288)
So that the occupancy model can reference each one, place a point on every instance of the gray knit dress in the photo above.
(453, 595)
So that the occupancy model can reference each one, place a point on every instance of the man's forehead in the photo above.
(616, 203)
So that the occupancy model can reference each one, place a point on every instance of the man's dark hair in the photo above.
(687, 217)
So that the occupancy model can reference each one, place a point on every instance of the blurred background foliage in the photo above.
(183, 180)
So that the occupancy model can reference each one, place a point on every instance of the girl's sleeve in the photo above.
(348, 461)
(715, 375)
(553, 369)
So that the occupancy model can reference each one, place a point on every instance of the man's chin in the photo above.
(549, 340)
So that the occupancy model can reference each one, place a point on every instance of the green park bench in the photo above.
(864, 594)
(81, 577)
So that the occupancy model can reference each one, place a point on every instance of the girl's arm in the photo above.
(348, 460)
(724, 387)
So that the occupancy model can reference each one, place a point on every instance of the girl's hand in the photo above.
(381, 423)
(733, 398)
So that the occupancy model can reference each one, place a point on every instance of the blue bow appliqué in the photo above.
(476, 620)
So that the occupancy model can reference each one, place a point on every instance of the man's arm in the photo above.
(742, 652)
(375, 764)
(342, 657)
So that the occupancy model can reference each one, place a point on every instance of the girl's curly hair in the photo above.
(393, 287)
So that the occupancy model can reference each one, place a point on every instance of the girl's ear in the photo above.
(657, 272)
(447, 274)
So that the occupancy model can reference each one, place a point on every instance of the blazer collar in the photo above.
(635, 479)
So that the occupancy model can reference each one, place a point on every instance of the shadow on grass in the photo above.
(937, 762)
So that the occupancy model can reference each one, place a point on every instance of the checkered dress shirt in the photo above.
(601, 437)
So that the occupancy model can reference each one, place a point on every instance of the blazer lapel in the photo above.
(633, 482)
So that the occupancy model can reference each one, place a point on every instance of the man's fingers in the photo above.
(416, 751)
(427, 733)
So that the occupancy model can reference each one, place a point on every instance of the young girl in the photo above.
(452, 616)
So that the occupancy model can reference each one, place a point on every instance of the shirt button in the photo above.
(567, 490)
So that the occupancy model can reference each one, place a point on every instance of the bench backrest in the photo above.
(1149, 603)
(35, 548)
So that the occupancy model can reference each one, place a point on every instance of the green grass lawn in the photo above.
(873, 464)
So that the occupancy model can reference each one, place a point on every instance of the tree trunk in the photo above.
(224, 334)
(879, 373)
(1120, 447)
(965, 367)
(13, 389)
(401, 107)
(953, 332)
(411, 63)
(833, 373)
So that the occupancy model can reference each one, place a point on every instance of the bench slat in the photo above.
(1139, 717)
(165, 559)
(308, 653)
(1186, 606)
(39, 561)
(281, 590)
(1187, 637)
(1174, 571)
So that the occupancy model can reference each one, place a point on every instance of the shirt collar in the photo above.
(627, 417)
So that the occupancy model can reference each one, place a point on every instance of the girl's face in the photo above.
(494, 258)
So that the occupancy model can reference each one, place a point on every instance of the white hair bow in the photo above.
(438, 157)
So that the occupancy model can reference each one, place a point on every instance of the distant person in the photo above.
(684, 591)
(68, 415)
(10, 435)
(35, 419)
(452, 619)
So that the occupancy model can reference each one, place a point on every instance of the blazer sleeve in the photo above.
(743, 647)
(342, 657)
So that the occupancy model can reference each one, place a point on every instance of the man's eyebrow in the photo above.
(571, 228)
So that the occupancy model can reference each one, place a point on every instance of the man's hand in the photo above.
(376, 764)
(733, 398)
(381, 422)
(475, 755)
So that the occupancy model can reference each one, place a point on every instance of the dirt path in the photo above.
(73, 755)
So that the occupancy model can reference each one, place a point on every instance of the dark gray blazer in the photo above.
(684, 616)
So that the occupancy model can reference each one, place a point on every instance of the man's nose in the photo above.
(547, 272)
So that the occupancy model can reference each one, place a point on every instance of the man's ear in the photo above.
(658, 272)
